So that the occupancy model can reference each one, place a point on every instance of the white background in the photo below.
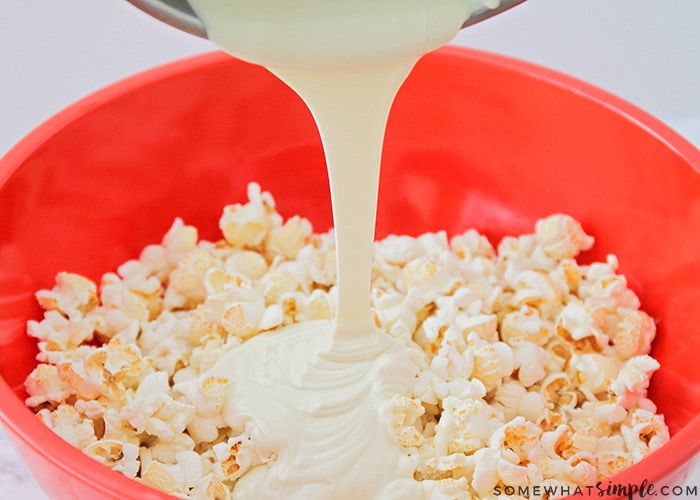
(53, 52)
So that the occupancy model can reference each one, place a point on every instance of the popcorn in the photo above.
(210, 487)
(319, 305)
(398, 250)
(251, 265)
(68, 423)
(568, 275)
(500, 466)
(634, 334)
(166, 343)
(521, 437)
(611, 456)
(465, 425)
(438, 469)
(534, 288)
(72, 296)
(242, 312)
(154, 411)
(594, 371)
(643, 432)
(116, 428)
(557, 390)
(633, 379)
(406, 412)
(472, 246)
(45, 386)
(433, 275)
(277, 282)
(206, 395)
(288, 239)
(236, 456)
(583, 470)
(58, 334)
(582, 326)
(449, 489)
(247, 226)
(529, 361)
(526, 324)
(164, 477)
(512, 399)
(116, 294)
(118, 456)
(177, 243)
(561, 236)
(320, 262)
(533, 368)
(88, 378)
(605, 286)
(492, 362)
(187, 279)
(138, 278)
(166, 451)
(451, 364)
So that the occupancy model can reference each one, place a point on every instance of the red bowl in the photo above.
(474, 140)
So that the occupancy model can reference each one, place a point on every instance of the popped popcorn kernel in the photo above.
(561, 236)
(120, 457)
(68, 423)
(581, 325)
(177, 243)
(247, 226)
(73, 295)
(492, 362)
(187, 279)
(286, 240)
(236, 456)
(632, 381)
(250, 264)
(45, 386)
(525, 324)
(465, 425)
(643, 432)
(634, 334)
(405, 413)
(211, 487)
(521, 437)
(164, 477)
(530, 363)
(533, 368)
(59, 335)
(535, 289)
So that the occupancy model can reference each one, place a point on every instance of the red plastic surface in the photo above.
(474, 140)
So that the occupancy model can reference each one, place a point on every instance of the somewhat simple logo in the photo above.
(645, 489)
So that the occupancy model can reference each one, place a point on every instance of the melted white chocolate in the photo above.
(315, 395)
(319, 407)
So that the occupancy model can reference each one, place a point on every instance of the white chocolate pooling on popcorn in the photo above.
(314, 411)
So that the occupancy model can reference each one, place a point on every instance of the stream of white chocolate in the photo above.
(314, 396)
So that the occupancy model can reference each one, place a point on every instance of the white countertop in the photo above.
(54, 52)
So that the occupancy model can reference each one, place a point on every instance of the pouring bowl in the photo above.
(179, 13)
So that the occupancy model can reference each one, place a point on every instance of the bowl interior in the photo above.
(474, 140)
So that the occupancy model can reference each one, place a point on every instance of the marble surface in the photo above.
(55, 52)
(15, 481)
